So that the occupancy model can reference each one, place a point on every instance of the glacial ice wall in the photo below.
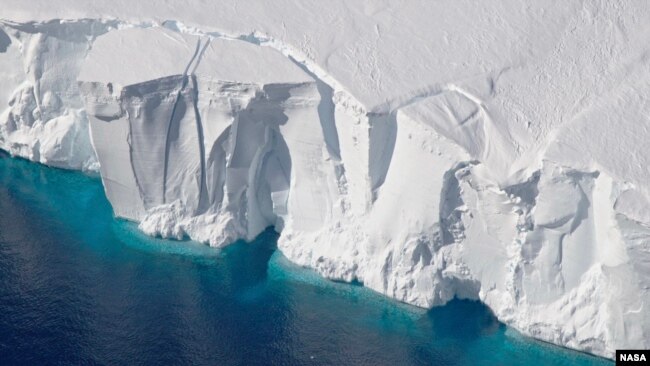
(207, 143)
(427, 198)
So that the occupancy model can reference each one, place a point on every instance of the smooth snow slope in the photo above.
(491, 150)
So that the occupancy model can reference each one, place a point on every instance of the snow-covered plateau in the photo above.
(493, 150)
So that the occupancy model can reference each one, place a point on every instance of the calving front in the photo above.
(431, 197)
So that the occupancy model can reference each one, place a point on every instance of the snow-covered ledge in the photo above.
(435, 194)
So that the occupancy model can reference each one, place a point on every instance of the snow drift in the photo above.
(522, 184)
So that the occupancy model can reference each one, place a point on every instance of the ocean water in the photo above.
(80, 287)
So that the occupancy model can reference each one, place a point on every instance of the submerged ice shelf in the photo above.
(493, 186)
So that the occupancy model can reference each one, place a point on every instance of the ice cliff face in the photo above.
(218, 140)
(484, 188)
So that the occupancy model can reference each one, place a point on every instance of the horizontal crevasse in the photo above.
(215, 138)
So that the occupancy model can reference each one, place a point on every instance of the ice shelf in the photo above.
(494, 151)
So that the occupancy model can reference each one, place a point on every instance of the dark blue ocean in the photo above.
(79, 287)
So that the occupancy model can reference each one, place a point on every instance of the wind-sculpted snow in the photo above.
(519, 180)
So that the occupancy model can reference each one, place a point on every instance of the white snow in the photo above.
(490, 150)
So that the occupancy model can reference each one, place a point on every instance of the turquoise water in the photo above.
(79, 287)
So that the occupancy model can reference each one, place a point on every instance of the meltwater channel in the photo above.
(80, 287)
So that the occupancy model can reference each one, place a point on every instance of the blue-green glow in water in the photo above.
(79, 287)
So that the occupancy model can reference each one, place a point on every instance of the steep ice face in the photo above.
(218, 140)
(493, 186)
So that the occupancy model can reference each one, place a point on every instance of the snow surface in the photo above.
(490, 150)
